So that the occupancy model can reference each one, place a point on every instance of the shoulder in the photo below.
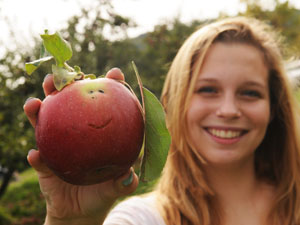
(135, 211)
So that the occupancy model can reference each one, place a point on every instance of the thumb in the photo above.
(36, 162)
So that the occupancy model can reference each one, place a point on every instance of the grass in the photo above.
(28, 175)
(23, 202)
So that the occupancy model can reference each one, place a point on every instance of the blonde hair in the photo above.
(185, 197)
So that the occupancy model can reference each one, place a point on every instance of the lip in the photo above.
(228, 140)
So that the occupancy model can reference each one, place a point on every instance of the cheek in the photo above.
(259, 114)
(196, 111)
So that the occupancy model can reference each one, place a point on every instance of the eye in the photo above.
(207, 90)
(251, 93)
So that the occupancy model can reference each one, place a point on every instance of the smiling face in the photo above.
(230, 107)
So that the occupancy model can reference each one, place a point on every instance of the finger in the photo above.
(115, 73)
(35, 161)
(31, 109)
(48, 84)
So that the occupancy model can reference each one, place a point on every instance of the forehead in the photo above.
(225, 60)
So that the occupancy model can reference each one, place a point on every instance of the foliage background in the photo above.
(20, 200)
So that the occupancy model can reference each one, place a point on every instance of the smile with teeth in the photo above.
(227, 134)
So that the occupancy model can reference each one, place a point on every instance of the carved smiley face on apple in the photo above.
(90, 131)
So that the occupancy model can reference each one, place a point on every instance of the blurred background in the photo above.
(103, 34)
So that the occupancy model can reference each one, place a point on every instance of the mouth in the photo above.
(227, 133)
(100, 126)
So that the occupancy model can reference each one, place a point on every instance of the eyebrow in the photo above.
(211, 80)
(256, 84)
(247, 83)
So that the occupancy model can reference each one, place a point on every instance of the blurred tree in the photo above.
(158, 49)
(283, 16)
(16, 134)
(101, 43)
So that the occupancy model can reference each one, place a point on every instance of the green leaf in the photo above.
(62, 77)
(59, 48)
(157, 138)
(30, 67)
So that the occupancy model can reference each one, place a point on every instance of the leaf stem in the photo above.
(69, 68)
(140, 85)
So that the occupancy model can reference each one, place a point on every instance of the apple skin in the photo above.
(91, 131)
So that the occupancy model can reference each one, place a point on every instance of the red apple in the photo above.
(91, 131)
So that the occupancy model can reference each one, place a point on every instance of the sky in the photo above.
(28, 18)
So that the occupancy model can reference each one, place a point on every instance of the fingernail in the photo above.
(28, 99)
(115, 68)
(46, 77)
(30, 151)
(129, 180)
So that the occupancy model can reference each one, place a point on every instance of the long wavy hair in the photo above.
(184, 195)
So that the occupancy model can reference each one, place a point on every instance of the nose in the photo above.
(228, 108)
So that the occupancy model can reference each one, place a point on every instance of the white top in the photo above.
(135, 211)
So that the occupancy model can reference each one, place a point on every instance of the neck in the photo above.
(234, 181)
(241, 196)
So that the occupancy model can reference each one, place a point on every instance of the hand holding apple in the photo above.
(86, 136)
(93, 201)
